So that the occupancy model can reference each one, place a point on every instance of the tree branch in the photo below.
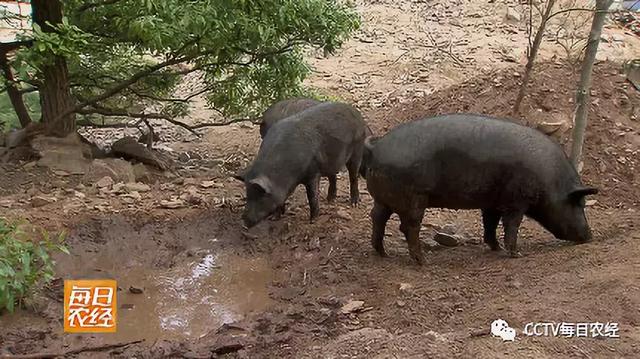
(6, 47)
(126, 83)
(563, 11)
(80, 108)
(14, 93)
(88, 123)
(96, 109)
(227, 123)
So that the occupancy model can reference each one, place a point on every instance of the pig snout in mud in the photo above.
(298, 150)
(468, 161)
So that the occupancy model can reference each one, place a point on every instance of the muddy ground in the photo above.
(280, 287)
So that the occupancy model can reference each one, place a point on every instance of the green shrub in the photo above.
(8, 117)
(25, 261)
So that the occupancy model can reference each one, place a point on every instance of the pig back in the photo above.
(469, 161)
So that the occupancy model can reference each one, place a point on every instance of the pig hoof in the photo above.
(419, 259)
(380, 250)
(496, 247)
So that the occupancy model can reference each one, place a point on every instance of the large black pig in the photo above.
(299, 149)
(468, 161)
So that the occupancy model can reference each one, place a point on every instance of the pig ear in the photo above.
(369, 142)
(581, 192)
(262, 184)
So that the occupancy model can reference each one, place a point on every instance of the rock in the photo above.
(207, 184)
(130, 149)
(15, 138)
(343, 214)
(401, 303)
(449, 229)
(134, 195)
(67, 154)
(190, 181)
(142, 173)
(40, 201)
(515, 284)
(192, 196)
(194, 155)
(183, 157)
(550, 127)
(445, 239)
(173, 204)
(79, 194)
(591, 202)
(406, 288)
(104, 182)
(136, 290)
(352, 306)
(7, 203)
(512, 15)
(617, 38)
(314, 243)
(137, 187)
(118, 188)
(118, 169)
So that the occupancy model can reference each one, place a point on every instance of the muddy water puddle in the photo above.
(196, 295)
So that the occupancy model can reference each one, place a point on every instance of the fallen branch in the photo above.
(446, 49)
(227, 123)
(87, 123)
(122, 113)
(70, 352)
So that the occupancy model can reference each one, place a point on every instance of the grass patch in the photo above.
(25, 261)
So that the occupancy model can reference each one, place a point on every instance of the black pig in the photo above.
(298, 150)
(468, 161)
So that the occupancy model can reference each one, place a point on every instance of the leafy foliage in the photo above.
(8, 118)
(25, 262)
(250, 52)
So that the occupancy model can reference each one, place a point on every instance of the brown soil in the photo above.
(283, 283)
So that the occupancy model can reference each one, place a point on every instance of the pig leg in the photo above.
(280, 211)
(410, 226)
(333, 189)
(353, 166)
(312, 186)
(379, 217)
(490, 220)
(511, 223)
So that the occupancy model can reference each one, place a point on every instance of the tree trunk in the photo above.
(582, 95)
(55, 93)
(533, 52)
(14, 93)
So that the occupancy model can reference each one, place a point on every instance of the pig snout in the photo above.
(248, 221)
(582, 236)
